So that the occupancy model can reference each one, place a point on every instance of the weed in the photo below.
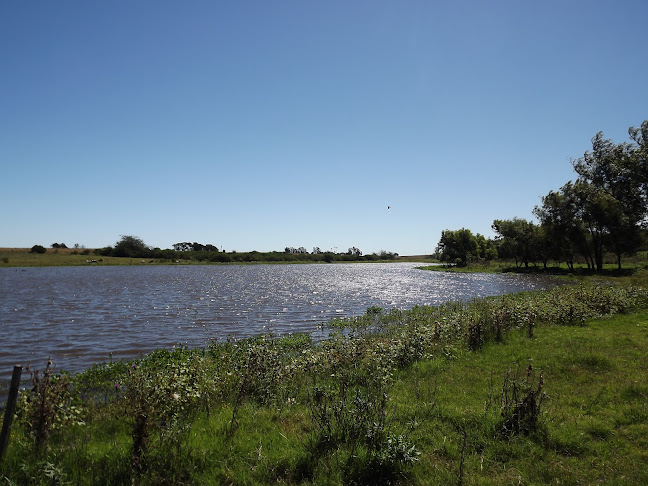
(521, 404)
(354, 420)
(43, 407)
(160, 398)
(475, 336)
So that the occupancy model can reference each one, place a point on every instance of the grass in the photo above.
(629, 268)
(595, 428)
(21, 257)
(397, 397)
(18, 257)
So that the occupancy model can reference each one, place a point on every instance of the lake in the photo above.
(83, 315)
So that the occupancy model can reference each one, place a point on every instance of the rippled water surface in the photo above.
(82, 315)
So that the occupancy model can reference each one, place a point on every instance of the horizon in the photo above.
(374, 125)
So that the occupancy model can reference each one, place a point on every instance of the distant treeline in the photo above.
(134, 247)
(604, 210)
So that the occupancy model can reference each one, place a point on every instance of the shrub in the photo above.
(45, 406)
(521, 403)
(38, 249)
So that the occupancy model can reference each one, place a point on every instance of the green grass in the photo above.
(630, 265)
(594, 429)
(399, 400)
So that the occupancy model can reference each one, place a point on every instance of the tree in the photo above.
(639, 160)
(611, 186)
(458, 246)
(353, 251)
(564, 234)
(486, 248)
(387, 255)
(38, 249)
(131, 246)
(184, 246)
(519, 239)
(605, 208)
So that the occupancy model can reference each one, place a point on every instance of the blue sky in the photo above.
(257, 125)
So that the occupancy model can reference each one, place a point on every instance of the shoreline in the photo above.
(272, 403)
(23, 258)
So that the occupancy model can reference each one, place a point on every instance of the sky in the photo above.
(257, 125)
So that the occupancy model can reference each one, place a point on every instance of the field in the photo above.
(538, 388)
(21, 257)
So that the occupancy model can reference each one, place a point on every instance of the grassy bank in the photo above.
(22, 257)
(579, 270)
(538, 388)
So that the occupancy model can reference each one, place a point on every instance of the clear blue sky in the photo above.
(256, 125)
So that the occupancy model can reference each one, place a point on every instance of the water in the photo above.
(84, 315)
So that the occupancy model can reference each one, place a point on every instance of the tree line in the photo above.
(134, 247)
(603, 210)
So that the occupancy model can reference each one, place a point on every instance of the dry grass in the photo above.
(57, 257)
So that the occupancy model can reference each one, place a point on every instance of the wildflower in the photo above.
(175, 396)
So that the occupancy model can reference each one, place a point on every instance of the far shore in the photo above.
(53, 257)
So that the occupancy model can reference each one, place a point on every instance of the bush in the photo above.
(38, 249)
(521, 403)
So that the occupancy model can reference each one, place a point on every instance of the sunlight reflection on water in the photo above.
(81, 315)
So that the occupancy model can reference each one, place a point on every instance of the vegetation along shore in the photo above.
(536, 388)
(131, 250)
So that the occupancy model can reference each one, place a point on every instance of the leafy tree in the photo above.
(519, 239)
(353, 251)
(182, 246)
(458, 246)
(195, 246)
(611, 186)
(387, 255)
(486, 248)
(131, 246)
(639, 154)
(564, 234)
(38, 249)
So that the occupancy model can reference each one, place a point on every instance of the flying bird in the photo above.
(388, 207)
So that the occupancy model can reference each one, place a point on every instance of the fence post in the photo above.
(9, 411)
